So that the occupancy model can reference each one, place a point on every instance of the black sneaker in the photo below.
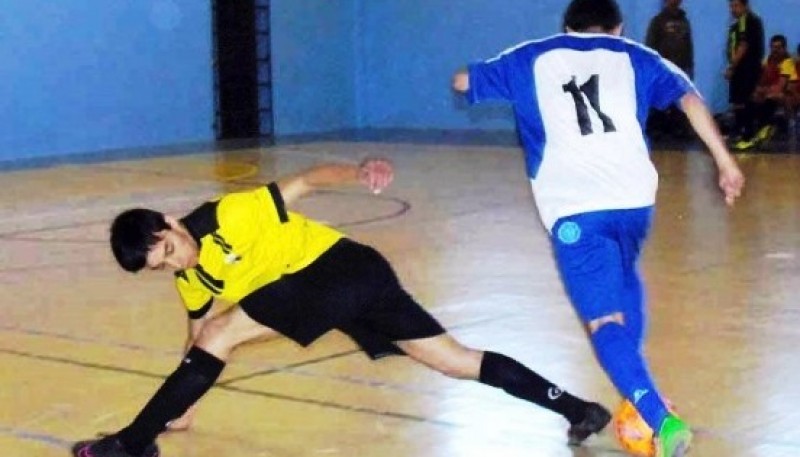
(108, 446)
(596, 419)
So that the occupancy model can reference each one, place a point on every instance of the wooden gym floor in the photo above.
(83, 345)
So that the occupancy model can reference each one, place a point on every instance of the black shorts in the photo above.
(351, 287)
(742, 85)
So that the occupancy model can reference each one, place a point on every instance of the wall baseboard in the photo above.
(414, 136)
(411, 136)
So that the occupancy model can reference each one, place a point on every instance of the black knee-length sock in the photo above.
(498, 370)
(195, 375)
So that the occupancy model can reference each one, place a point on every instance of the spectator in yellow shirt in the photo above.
(778, 77)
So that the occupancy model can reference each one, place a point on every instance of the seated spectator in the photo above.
(775, 89)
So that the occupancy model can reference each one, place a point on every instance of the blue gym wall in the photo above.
(90, 75)
(314, 65)
(410, 49)
(97, 75)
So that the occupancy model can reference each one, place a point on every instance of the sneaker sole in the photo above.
(79, 449)
(684, 440)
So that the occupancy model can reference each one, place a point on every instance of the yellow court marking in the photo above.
(234, 171)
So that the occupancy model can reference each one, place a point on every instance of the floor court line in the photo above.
(83, 263)
(83, 339)
(252, 392)
(700, 432)
(27, 435)
(290, 368)
(22, 235)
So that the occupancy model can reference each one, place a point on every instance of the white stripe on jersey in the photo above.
(517, 46)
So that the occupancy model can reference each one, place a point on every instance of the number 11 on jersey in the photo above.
(592, 92)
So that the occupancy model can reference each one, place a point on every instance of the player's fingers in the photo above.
(376, 174)
(386, 178)
(382, 179)
(731, 194)
(731, 185)
(177, 428)
(375, 182)
(737, 186)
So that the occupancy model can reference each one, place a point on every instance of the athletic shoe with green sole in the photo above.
(765, 133)
(674, 438)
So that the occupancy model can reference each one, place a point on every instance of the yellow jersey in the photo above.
(247, 240)
(788, 69)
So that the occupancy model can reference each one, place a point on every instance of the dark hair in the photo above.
(780, 39)
(133, 233)
(582, 15)
(743, 2)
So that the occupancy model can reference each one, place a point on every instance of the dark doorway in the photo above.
(242, 69)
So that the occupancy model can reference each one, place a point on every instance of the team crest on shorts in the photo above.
(569, 232)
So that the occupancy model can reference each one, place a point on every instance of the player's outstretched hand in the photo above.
(376, 173)
(731, 181)
(182, 423)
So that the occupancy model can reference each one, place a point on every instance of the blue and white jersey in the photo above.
(581, 104)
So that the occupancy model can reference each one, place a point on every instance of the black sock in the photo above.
(195, 375)
(498, 370)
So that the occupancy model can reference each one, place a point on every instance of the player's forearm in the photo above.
(326, 175)
(334, 174)
(706, 128)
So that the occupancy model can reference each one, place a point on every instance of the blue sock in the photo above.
(634, 307)
(635, 325)
(622, 361)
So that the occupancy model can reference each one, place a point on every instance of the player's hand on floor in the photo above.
(182, 423)
(376, 174)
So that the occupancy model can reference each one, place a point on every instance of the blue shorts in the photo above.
(597, 256)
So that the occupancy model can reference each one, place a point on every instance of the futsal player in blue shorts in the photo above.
(581, 99)
(274, 272)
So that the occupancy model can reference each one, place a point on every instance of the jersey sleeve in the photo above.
(242, 215)
(663, 82)
(489, 80)
(196, 299)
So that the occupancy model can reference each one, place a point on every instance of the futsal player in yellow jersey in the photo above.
(285, 274)
(222, 269)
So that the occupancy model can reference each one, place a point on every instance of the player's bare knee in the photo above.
(614, 318)
(452, 370)
(445, 355)
(463, 363)
(215, 336)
